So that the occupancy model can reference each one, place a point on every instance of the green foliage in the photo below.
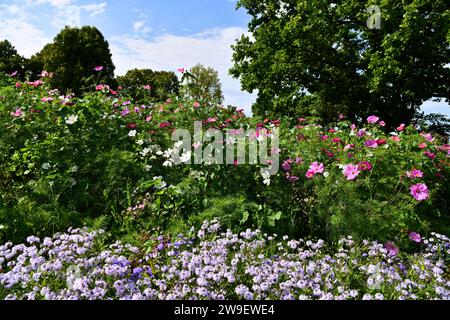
(376, 204)
(311, 51)
(202, 84)
(434, 122)
(105, 160)
(11, 62)
(72, 57)
(162, 84)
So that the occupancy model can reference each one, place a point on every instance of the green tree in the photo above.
(322, 58)
(162, 84)
(72, 57)
(10, 60)
(203, 84)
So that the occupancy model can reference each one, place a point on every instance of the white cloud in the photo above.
(169, 52)
(10, 9)
(55, 3)
(140, 27)
(67, 16)
(66, 12)
(94, 9)
(23, 35)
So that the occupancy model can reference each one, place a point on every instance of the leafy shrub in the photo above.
(68, 161)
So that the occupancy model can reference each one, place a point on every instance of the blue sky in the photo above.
(156, 34)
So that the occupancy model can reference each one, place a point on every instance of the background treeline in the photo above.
(75, 53)
(304, 58)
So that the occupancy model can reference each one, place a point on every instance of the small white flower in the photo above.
(140, 142)
(186, 157)
(72, 119)
(326, 174)
(178, 144)
(168, 153)
(145, 152)
(46, 166)
(265, 173)
(148, 167)
(168, 163)
(162, 185)
(132, 133)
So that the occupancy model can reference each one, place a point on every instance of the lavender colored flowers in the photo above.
(220, 266)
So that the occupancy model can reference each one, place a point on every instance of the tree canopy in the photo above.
(72, 57)
(158, 85)
(203, 84)
(322, 58)
(10, 60)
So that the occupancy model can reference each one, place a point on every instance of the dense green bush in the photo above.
(146, 83)
(72, 58)
(101, 159)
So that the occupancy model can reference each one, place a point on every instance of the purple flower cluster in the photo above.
(218, 266)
